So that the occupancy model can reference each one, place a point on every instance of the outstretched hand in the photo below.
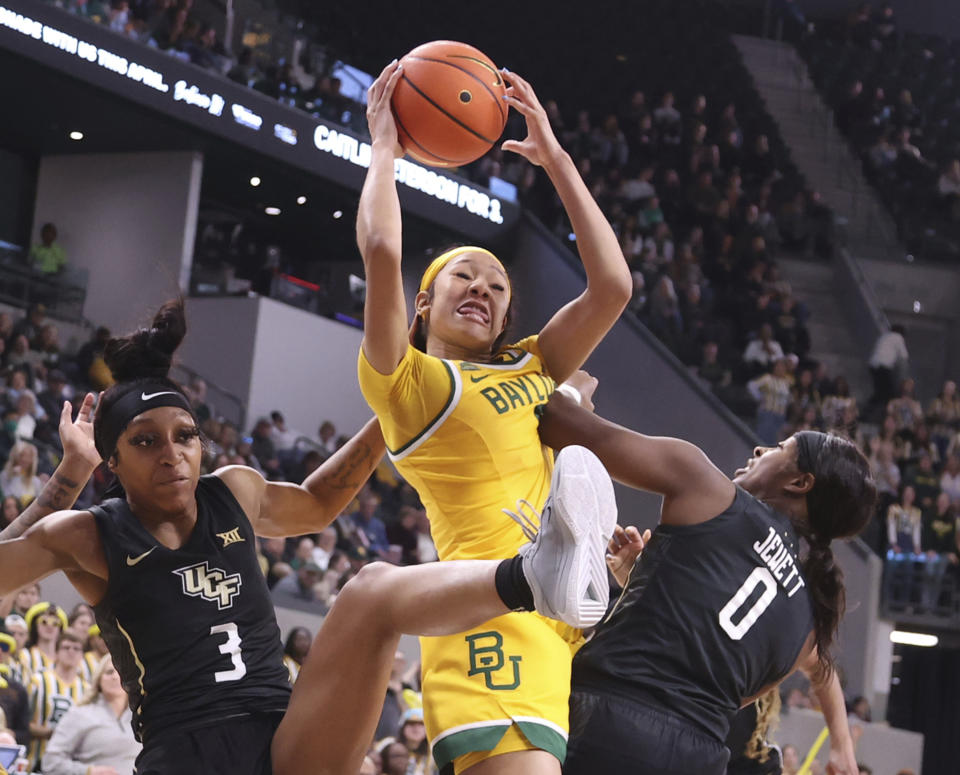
(625, 546)
(76, 436)
(541, 146)
(380, 120)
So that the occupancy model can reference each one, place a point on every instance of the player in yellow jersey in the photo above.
(53, 691)
(457, 411)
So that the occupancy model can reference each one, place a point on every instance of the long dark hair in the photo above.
(288, 647)
(840, 505)
(145, 356)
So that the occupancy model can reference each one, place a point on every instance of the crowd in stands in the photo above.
(894, 97)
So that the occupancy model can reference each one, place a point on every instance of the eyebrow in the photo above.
(467, 259)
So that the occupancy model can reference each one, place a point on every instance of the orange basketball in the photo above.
(448, 104)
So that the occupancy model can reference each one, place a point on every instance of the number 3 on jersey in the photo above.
(737, 630)
(232, 649)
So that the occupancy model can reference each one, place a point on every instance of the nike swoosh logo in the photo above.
(479, 379)
(131, 561)
(148, 396)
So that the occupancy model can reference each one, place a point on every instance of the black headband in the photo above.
(147, 395)
(809, 444)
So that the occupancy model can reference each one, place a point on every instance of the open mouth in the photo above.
(474, 311)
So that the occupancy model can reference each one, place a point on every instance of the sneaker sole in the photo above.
(583, 503)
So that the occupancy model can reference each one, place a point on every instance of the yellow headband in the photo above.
(11, 643)
(44, 608)
(445, 258)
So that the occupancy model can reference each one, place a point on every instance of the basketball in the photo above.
(448, 104)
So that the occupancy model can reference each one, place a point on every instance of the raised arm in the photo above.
(694, 489)
(577, 328)
(379, 234)
(80, 460)
(843, 760)
(280, 509)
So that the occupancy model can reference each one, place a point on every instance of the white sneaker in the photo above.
(564, 562)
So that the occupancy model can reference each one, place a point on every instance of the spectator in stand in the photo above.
(19, 477)
(904, 525)
(426, 549)
(295, 650)
(369, 528)
(48, 257)
(837, 403)
(14, 699)
(943, 414)
(303, 554)
(284, 439)
(29, 326)
(716, 374)
(888, 363)
(772, 394)
(25, 598)
(271, 560)
(297, 590)
(905, 409)
(328, 437)
(939, 543)
(413, 735)
(764, 351)
(95, 737)
(53, 691)
(263, 449)
(10, 510)
(886, 473)
(403, 533)
(197, 393)
(45, 623)
(326, 545)
(90, 365)
(923, 479)
(950, 479)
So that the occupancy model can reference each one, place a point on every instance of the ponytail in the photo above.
(824, 580)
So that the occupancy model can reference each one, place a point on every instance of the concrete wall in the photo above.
(932, 333)
(130, 220)
(274, 356)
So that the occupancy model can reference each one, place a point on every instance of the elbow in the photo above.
(616, 290)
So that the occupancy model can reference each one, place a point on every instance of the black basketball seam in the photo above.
(414, 140)
(454, 119)
(497, 100)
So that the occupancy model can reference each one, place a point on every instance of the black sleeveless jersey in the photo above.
(192, 631)
(711, 614)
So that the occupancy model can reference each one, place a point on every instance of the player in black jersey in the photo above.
(171, 571)
(171, 567)
(722, 604)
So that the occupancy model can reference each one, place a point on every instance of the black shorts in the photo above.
(237, 746)
(609, 734)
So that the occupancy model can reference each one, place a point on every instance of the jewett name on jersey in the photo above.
(780, 560)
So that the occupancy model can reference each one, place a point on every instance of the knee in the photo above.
(369, 588)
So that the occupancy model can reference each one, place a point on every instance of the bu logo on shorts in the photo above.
(211, 584)
(486, 658)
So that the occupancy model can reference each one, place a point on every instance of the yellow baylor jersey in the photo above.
(464, 435)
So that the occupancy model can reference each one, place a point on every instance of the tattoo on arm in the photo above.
(353, 471)
(58, 493)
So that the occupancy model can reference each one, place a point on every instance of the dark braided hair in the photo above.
(840, 505)
(145, 356)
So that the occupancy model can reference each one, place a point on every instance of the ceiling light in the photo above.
(76, 135)
(913, 638)
(272, 210)
(338, 213)
(301, 200)
(254, 181)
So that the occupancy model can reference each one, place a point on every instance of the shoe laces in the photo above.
(530, 528)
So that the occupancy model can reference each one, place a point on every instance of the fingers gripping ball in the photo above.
(448, 104)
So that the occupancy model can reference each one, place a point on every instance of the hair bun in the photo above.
(148, 352)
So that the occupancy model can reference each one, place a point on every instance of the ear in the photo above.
(421, 302)
(112, 463)
(801, 484)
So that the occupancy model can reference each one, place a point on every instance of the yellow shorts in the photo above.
(511, 675)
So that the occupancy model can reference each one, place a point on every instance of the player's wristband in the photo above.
(571, 391)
